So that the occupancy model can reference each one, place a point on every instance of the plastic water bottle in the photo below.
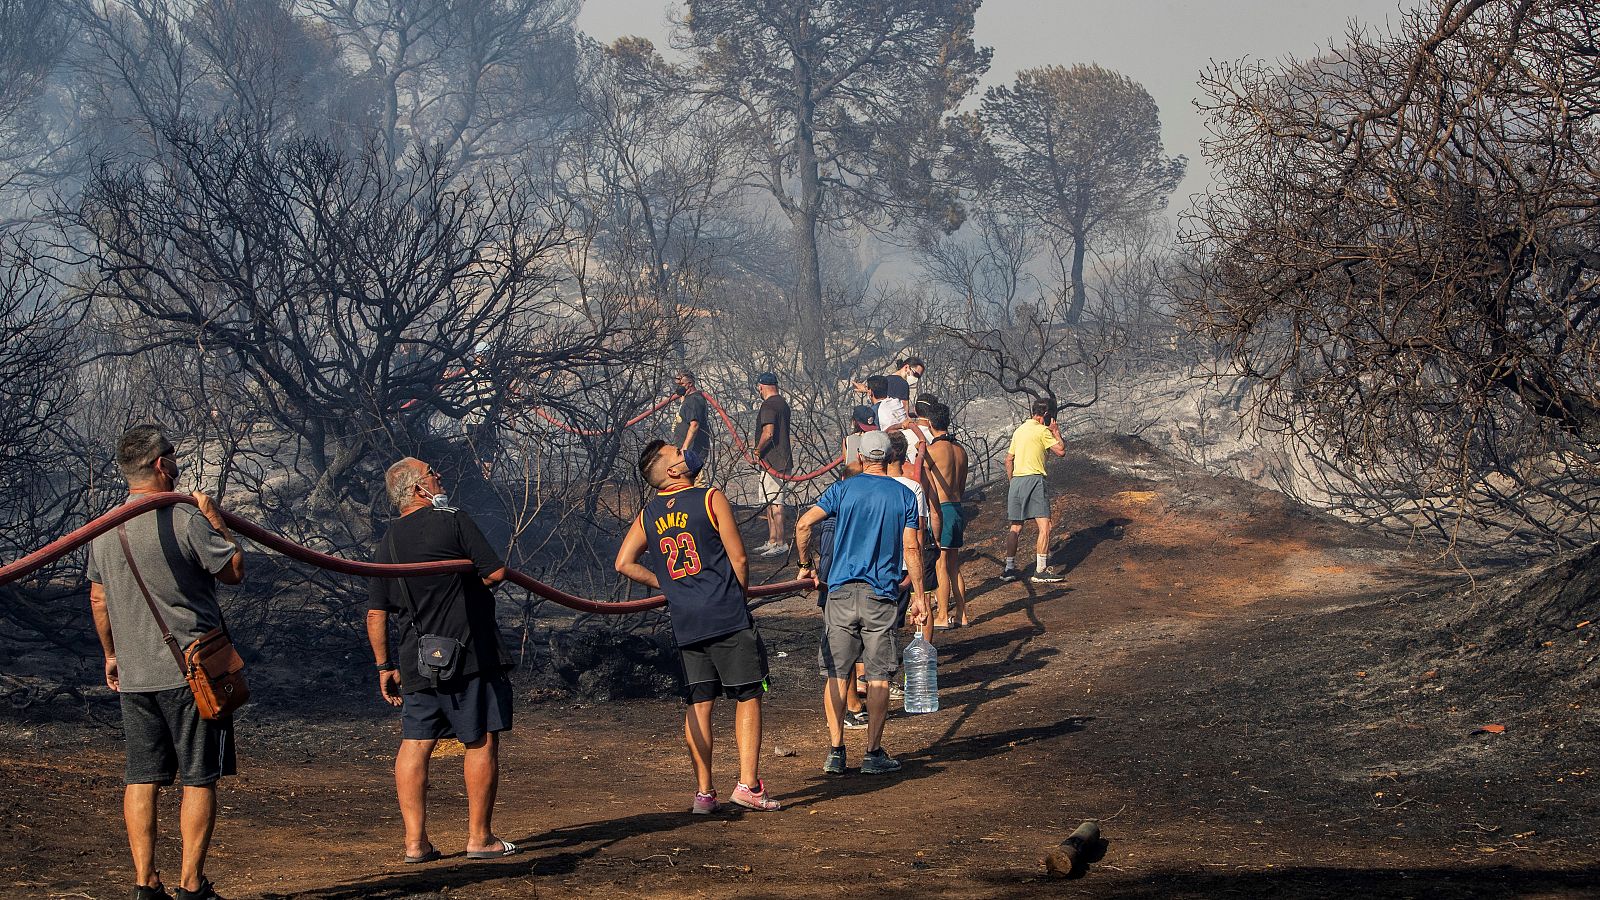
(922, 677)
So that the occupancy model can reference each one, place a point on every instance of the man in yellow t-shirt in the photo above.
(1026, 497)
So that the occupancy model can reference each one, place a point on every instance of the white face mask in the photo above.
(912, 378)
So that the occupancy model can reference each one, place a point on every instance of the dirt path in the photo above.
(1181, 686)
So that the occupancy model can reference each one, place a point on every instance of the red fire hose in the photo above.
(595, 432)
(727, 420)
(67, 543)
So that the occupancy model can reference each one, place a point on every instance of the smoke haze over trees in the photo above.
(312, 236)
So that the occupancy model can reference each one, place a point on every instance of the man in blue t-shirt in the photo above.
(876, 539)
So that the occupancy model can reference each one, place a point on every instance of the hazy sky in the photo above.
(1163, 44)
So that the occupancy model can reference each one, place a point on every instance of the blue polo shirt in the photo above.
(873, 512)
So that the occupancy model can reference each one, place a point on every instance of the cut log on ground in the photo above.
(1073, 857)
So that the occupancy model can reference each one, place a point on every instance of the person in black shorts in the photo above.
(686, 543)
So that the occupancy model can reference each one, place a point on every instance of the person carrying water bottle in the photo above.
(875, 540)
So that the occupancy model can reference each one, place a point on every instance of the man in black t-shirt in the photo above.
(686, 543)
(772, 448)
(691, 429)
(462, 691)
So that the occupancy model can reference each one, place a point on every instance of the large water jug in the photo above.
(922, 677)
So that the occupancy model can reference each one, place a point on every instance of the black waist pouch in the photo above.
(438, 657)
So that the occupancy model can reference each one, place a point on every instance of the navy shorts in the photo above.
(482, 705)
(167, 740)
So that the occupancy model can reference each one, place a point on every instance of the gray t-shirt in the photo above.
(178, 553)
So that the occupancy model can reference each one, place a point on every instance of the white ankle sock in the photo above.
(1011, 562)
(1041, 562)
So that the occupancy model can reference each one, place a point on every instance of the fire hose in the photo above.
(67, 543)
(738, 442)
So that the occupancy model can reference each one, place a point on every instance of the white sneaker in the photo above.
(763, 548)
(775, 550)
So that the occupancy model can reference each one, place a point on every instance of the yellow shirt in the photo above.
(1028, 446)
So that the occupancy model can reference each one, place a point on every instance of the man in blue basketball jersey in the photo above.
(686, 543)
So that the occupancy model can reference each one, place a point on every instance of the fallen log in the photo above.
(1076, 852)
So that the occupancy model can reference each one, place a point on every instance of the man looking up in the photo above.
(462, 691)
(693, 553)
(691, 429)
(1026, 497)
(772, 448)
(876, 540)
(177, 554)
(944, 472)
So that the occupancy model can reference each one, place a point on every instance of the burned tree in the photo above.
(333, 288)
(838, 111)
(1078, 151)
(51, 463)
(1401, 245)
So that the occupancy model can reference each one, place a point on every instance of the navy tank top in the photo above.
(684, 549)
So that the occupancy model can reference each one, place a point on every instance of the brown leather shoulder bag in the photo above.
(211, 665)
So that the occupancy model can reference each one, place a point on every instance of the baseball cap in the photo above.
(875, 446)
(865, 415)
(768, 378)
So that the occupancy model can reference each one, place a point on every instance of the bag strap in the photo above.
(166, 633)
(405, 590)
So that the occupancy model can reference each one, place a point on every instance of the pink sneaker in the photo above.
(705, 804)
(756, 799)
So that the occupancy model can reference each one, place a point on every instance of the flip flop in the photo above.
(508, 849)
(428, 857)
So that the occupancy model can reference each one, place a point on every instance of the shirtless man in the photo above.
(945, 474)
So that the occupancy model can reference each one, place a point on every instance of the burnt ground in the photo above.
(1255, 700)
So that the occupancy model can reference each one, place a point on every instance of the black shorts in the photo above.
(482, 705)
(734, 665)
(167, 740)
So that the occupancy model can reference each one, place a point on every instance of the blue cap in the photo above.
(768, 378)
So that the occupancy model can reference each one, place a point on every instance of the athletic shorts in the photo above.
(858, 626)
(952, 528)
(482, 705)
(1026, 499)
(734, 665)
(167, 740)
(772, 488)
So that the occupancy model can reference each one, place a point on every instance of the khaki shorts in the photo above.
(772, 488)
(858, 626)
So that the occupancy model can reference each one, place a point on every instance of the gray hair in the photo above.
(138, 451)
(402, 478)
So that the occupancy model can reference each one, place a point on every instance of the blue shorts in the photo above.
(482, 706)
(952, 528)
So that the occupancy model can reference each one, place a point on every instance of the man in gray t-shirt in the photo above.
(180, 553)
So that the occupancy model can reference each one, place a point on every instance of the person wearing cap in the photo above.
(691, 427)
(876, 539)
(862, 420)
(772, 449)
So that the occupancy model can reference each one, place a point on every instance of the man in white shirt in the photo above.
(893, 418)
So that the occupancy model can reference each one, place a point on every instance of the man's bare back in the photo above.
(946, 464)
